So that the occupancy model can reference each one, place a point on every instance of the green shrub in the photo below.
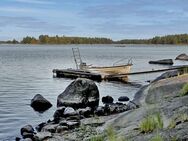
(157, 138)
(184, 90)
(150, 123)
(111, 135)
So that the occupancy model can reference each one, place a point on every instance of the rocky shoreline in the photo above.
(79, 117)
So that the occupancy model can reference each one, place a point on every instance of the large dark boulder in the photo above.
(162, 62)
(182, 57)
(39, 103)
(81, 93)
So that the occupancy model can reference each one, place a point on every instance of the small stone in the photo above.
(73, 118)
(107, 99)
(86, 112)
(28, 139)
(27, 135)
(43, 135)
(59, 113)
(27, 129)
(61, 129)
(69, 111)
(50, 128)
(40, 126)
(99, 111)
(123, 98)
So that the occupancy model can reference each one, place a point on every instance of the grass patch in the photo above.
(184, 118)
(180, 117)
(184, 90)
(109, 135)
(172, 124)
(97, 138)
(157, 138)
(150, 123)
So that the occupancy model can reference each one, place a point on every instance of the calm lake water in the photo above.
(27, 70)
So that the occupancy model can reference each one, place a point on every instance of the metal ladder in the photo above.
(77, 57)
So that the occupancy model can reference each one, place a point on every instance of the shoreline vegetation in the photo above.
(177, 39)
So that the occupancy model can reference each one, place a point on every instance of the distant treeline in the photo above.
(169, 39)
(45, 39)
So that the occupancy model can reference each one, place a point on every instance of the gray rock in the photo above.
(59, 113)
(182, 57)
(61, 129)
(99, 111)
(70, 124)
(107, 99)
(49, 128)
(73, 118)
(27, 135)
(168, 74)
(43, 135)
(123, 98)
(162, 62)
(40, 126)
(115, 108)
(86, 112)
(27, 129)
(39, 103)
(69, 111)
(80, 93)
(28, 139)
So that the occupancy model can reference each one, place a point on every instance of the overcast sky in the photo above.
(115, 19)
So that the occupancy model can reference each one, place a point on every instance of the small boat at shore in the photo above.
(115, 69)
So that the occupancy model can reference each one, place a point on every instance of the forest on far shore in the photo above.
(46, 39)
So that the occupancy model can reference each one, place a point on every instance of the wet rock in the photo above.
(42, 135)
(61, 129)
(115, 108)
(40, 126)
(17, 139)
(50, 128)
(86, 112)
(27, 135)
(162, 62)
(73, 118)
(28, 139)
(107, 99)
(70, 124)
(182, 57)
(27, 131)
(59, 113)
(80, 93)
(123, 98)
(39, 103)
(99, 111)
(69, 111)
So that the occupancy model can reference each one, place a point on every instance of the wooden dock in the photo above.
(75, 73)
(119, 76)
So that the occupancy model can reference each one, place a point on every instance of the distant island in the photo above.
(46, 39)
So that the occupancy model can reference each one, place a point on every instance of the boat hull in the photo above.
(111, 70)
